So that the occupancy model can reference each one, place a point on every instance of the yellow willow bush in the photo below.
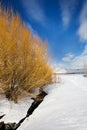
(23, 58)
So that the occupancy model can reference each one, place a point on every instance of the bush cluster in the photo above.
(23, 58)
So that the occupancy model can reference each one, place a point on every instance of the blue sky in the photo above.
(63, 23)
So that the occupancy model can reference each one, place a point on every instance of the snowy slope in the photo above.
(14, 112)
(64, 108)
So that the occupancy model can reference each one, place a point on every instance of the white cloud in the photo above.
(65, 18)
(82, 31)
(67, 9)
(81, 60)
(68, 57)
(34, 10)
(72, 61)
(85, 51)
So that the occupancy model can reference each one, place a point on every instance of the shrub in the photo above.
(23, 58)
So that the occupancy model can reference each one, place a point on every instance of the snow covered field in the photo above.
(64, 108)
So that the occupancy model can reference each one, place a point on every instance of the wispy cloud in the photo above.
(67, 9)
(76, 61)
(85, 50)
(80, 60)
(68, 57)
(34, 10)
(82, 31)
(31, 28)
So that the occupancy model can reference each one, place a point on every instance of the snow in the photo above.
(14, 112)
(64, 108)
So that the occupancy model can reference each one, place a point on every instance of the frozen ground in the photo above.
(64, 108)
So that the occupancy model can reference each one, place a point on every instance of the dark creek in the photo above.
(34, 105)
